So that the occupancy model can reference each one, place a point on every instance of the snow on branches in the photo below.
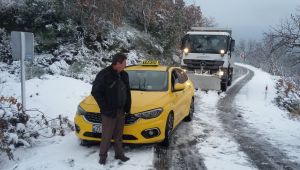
(18, 128)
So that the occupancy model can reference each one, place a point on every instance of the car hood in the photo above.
(141, 101)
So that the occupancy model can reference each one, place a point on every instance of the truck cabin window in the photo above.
(206, 43)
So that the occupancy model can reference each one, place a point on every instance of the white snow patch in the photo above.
(53, 95)
(20, 127)
(59, 67)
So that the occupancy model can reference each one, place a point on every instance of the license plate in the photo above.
(97, 128)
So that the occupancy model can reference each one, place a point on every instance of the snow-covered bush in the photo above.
(59, 67)
(34, 71)
(12, 125)
(77, 67)
(5, 51)
(288, 96)
(18, 128)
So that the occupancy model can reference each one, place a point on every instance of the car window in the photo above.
(185, 77)
(175, 78)
(182, 77)
(145, 80)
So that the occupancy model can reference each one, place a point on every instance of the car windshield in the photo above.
(145, 80)
(207, 43)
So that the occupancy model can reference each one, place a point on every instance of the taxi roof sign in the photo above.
(150, 63)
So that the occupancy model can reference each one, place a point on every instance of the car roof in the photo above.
(146, 67)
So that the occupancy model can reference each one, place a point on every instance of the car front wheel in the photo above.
(168, 131)
(190, 116)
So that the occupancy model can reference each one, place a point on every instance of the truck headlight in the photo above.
(149, 114)
(80, 111)
(220, 73)
(222, 52)
(185, 50)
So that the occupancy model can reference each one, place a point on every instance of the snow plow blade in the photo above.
(205, 81)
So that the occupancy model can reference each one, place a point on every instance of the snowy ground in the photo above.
(219, 149)
(275, 125)
(60, 95)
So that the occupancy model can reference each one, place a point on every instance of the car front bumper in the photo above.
(141, 131)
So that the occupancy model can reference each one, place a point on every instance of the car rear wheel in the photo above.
(189, 117)
(168, 131)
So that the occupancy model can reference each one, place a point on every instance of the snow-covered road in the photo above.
(241, 129)
(249, 101)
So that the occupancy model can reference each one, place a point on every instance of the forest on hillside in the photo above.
(77, 37)
(89, 23)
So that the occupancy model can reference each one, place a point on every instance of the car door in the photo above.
(178, 100)
(187, 93)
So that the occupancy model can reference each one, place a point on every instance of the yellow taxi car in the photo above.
(162, 97)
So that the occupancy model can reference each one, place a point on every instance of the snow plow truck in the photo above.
(206, 55)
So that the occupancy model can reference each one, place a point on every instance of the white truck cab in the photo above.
(207, 52)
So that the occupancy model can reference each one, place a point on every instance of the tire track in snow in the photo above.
(185, 155)
(183, 152)
(262, 154)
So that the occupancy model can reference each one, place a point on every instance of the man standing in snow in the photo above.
(112, 93)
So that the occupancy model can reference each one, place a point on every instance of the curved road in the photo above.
(184, 154)
(262, 154)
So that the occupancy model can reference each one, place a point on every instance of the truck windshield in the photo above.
(206, 43)
(145, 80)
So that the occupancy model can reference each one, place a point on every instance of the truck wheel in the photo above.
(189, 117)
(229, 81)
(230, 77)
(168, 131)
(224, 86)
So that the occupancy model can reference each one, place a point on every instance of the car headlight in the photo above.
(80, 111)
(149, 114)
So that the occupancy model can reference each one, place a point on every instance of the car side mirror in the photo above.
(179, 86)
(232, 44)
(184, 42)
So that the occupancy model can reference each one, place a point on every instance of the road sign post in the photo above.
(22, 44)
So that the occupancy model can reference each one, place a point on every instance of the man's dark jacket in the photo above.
(105, 91)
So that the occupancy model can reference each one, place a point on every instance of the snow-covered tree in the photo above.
(279, 53)
(5, 51)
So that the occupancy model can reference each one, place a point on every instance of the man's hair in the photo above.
(119, 57)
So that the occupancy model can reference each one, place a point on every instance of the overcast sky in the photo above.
(247, 18)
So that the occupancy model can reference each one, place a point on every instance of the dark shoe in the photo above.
(123, 158)
(102, 161)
